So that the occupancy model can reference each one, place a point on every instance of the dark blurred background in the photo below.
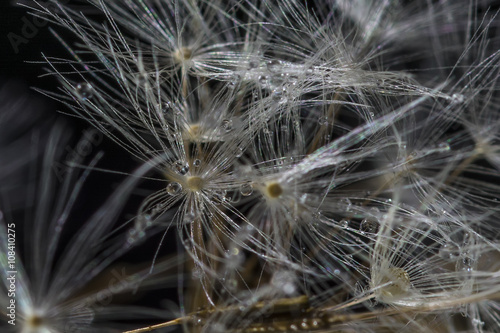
(24, 41)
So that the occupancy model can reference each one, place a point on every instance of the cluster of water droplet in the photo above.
(138, 232)
(273, 76)
(181, 167)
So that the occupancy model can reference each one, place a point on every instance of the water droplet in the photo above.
(181, 167)
(444, 146)
(142, 78)
(344, 223)
(279, 95)
(467, 238)
(220, 196)
(227, 125)
(477, 322)
(457, 98)
(189, 217)
(216, 328)
(449, 251)
(347, 203)
(174, 188)
(253, 64)
(167, 106)
(414, 155)
(232, 284)
(289, 288)
(246, 189)
(197, 163)
(303, 198)
(235, 80)
(234, 257)
(197, 273)
(135, 235)
(323, 120)
(85, 90)
(274, 66)
(284, 280)
(262, 79)
(369, 226)
(466, 264)
(239, 152)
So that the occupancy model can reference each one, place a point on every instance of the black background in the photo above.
(23, 69)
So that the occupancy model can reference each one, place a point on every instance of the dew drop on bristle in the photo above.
(253, 64)
(457, 98)
(449, 252)
(235, 80)
(227, 125)
(246, 190)
(142, 78)
(181, 167)
(323, 120)
(274, 66)
(174, 188)
(368, 226)
(444, 146)
(85, 91)
(279, 95)
(166, 107)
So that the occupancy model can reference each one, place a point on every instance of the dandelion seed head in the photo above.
(353, 165)
(394, 282)
(34, 322)
(193, 132)
(273, 190)
(195, 183)
(182, 55)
